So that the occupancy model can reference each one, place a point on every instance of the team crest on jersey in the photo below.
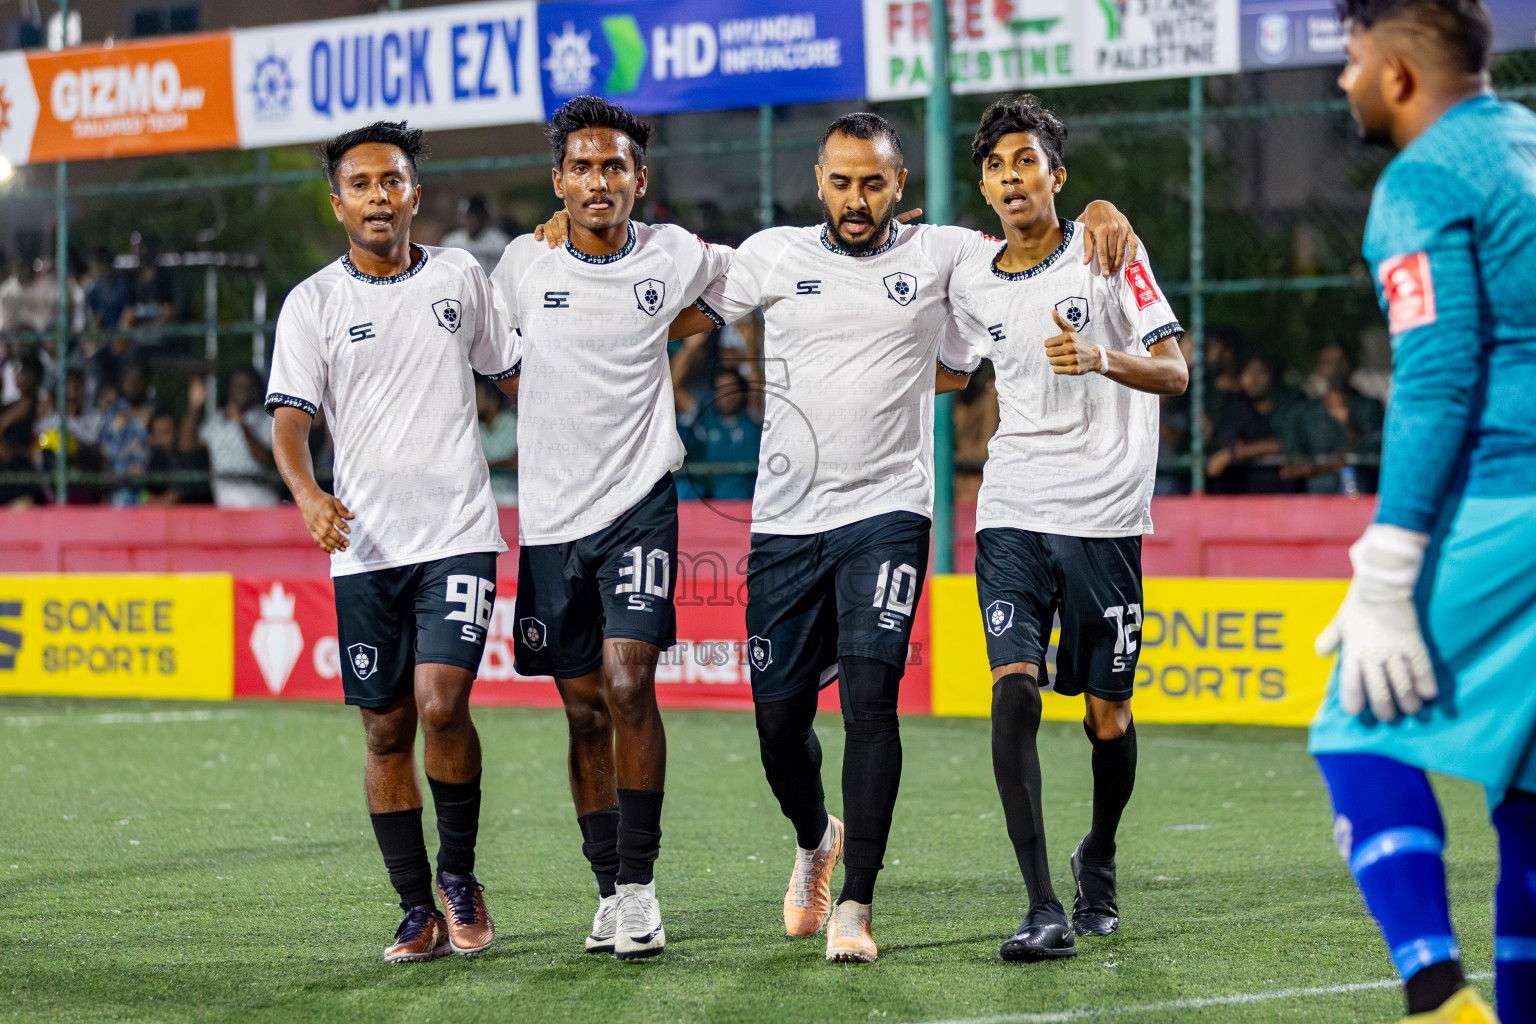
(1074, 311)
(901, 287)
(449, 313)
(760, 653)
(650, 293)
(365, 660)
(999, 617)
(534, 633)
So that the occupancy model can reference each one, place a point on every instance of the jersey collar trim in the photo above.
(1068, 229)
(883, 247)
(613, 257)
(346, 264)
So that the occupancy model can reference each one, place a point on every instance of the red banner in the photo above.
(286, 647)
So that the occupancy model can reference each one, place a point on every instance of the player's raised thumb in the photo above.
(1056, 315)
(1328, 640)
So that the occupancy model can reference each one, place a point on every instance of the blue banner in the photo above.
(1305, 33)
(661, 56)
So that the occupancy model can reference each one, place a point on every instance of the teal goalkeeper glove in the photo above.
(1384, 661)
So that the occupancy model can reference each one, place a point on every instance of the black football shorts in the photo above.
(616, 583)
(391, 620)
(1024, 578)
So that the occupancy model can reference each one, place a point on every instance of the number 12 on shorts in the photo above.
(477, 600)
(1127, 624)
(896, 592)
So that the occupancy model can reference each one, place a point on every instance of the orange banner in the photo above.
(134, 99)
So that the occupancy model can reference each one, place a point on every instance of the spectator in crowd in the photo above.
(105, 292)
(166, 456)
(125, 431)
(83, 431)
(149, 298)
(1174, 433)
(976, 417)
(18, 443)
(1248, 435)
(723, 431)
(477, 232)
(1222, 378)
(498, 440)
(1337, 422)
(237, 437)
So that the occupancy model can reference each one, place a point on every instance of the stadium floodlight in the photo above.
(6, 170)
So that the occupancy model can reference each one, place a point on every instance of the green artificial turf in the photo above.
(182, 862)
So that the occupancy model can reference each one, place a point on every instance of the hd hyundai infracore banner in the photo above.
(512, 61)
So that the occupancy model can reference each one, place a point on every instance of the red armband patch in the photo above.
(1410, 290)
(1140, 279)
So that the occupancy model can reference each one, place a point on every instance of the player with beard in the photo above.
(597, 444)
(854, 309)
(1436, 631)
(385, 340)
(1066, 497)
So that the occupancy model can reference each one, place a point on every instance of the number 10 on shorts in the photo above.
(896, 592)
(476, 599)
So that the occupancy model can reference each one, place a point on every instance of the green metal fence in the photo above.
(1249, 191)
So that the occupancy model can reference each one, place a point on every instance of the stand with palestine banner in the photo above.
(1211, 650)
(508, 62)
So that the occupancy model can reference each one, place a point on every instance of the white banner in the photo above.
(1004, 45)
(463, 66)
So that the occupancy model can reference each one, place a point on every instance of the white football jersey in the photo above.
(1074, 456)
(849, 348)
(596, 424)
(389, 359)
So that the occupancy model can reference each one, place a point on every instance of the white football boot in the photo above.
(639, 931)
(604, 925)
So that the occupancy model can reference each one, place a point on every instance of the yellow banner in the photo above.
(1212, 650)
(117, 636)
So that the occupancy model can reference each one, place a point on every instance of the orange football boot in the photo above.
(809, 899)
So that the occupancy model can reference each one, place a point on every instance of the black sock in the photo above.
(600, 844)
(1431, 986)
(871, 769)
(1114, 776)
(1016, 766)
(458, 823)
(786, 737)
(639, 835)
(405, 854)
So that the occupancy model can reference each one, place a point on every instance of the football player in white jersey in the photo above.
(597, 444)
(853, 311)
(1080, 358)
(385, 339)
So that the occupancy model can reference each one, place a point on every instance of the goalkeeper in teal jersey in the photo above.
(1437, 635)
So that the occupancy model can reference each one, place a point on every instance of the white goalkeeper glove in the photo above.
(1384, 661)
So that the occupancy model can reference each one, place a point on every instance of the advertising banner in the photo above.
(1003, 45)
(459, 66)
(116, 636)
(1211, 650)
(286, 646)
(131, 99)
(659, 56)
(1299, 33)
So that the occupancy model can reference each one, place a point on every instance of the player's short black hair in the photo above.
(1022, 113)
(1462, 29)
(863, 125)
(595, 112)
(410, 141)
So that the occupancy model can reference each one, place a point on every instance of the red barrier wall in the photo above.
(1289, 536)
